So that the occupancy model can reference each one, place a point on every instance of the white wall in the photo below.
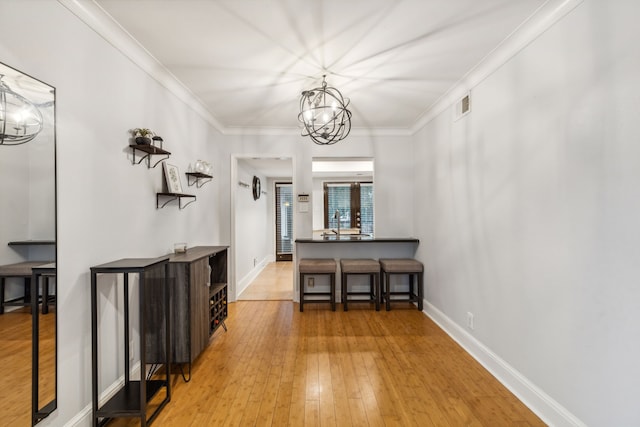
(106, 205)
(252, 227)
(14, 186)
(529, 212)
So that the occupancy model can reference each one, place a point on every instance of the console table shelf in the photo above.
(198, 178)
(149, 150)
(174, 196)
(121, 404)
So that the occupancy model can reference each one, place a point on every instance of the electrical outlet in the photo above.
(470, 320)
(310, 282)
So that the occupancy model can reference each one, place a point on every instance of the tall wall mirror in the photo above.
(343, 197)
(28, 309)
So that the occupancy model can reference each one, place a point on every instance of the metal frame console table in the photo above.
(131, 400)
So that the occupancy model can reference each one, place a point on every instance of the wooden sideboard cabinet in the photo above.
(192, 275)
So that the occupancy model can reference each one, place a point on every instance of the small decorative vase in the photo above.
(199, 166)
(143, 140)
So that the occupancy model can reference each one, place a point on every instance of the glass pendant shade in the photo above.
(20, 120)
(324, 114)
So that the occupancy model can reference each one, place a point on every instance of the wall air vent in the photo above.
(463, 106)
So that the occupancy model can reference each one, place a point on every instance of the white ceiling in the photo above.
(248, 60)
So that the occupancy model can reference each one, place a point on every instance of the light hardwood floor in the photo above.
(15, 360)
(275, 282)
(276, 366)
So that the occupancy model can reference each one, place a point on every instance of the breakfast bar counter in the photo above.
(355, 238)
(348, 246)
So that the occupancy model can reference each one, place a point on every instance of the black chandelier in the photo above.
(324, 114)
(20, 119)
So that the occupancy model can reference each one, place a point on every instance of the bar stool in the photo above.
(369, 267)
(407, 266)
(318, 266)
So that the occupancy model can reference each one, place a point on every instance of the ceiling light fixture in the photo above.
(324, 114)
(20, 120)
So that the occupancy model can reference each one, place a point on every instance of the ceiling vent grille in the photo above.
(463, 106)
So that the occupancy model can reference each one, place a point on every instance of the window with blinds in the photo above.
(366, 207)
(284, 221)
(352, 202)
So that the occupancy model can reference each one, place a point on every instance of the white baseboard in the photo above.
(83, 418)
(550, 411)
(250, 277)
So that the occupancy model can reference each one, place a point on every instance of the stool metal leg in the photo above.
(345, 292)
(376, 282)
(301, 292)
(1, 295)
(412, 291)
(387, 279)
(420, 291)
(333, 292)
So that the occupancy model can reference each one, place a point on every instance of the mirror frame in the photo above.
(40, 413)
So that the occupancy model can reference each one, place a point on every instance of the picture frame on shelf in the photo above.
(172, 178)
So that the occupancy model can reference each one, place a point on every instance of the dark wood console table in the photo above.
(198, 294)
(131, 400)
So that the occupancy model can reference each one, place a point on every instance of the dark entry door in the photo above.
(284, 221)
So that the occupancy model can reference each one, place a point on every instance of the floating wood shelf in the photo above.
(149, 150)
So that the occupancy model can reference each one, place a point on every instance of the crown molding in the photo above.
(106, 27)
(533, 27)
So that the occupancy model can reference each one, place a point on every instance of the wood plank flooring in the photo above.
(15, 360)
(276, 366)
(275, 282)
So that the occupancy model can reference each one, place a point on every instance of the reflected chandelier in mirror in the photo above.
(20, 119)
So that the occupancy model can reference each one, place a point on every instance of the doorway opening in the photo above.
(263, 227)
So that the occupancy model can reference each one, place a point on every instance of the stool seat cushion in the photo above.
(317, 266)
(401, 265)
(351, 266)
